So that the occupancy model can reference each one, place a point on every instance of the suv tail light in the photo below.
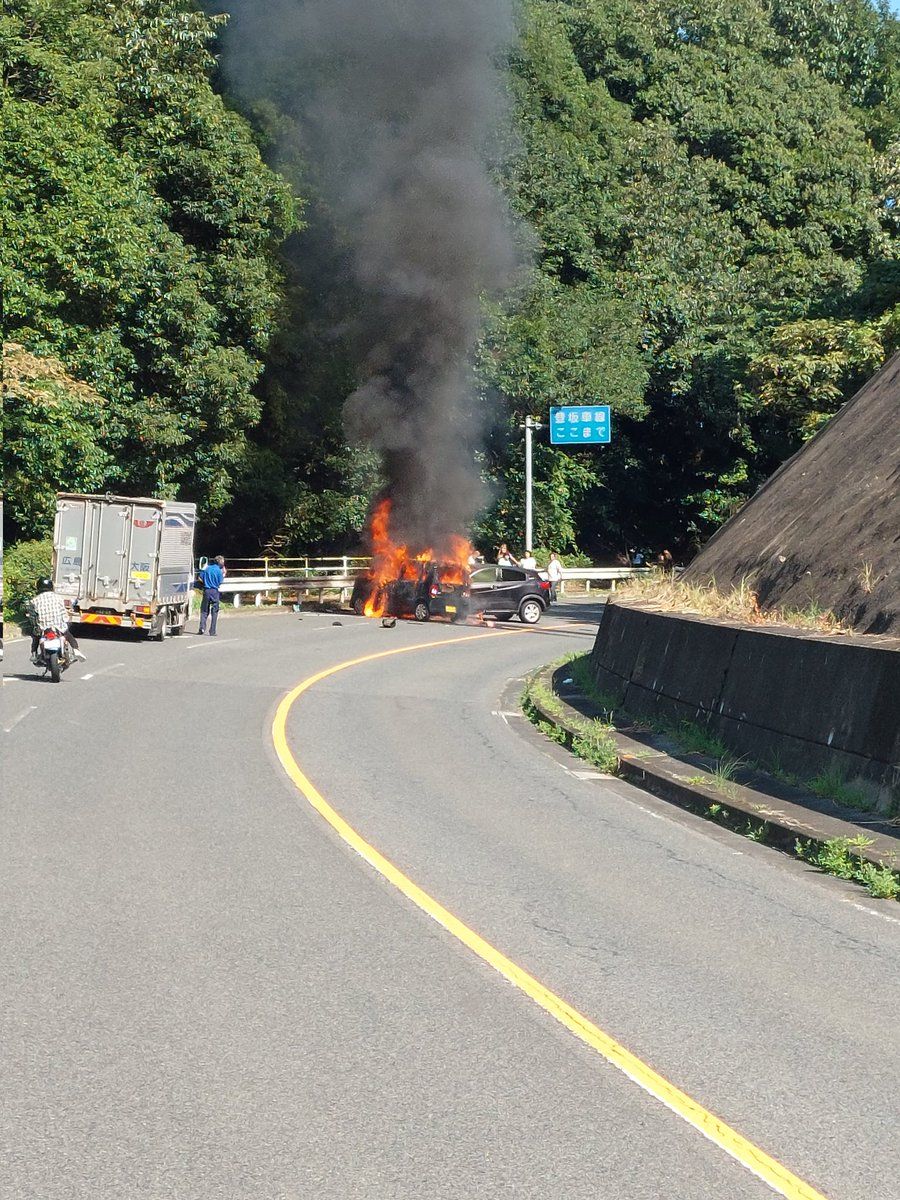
(435, 590)
(544, 585)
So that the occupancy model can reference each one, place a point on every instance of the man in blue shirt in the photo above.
(211, 577)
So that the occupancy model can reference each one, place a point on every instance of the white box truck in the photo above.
(125, 560)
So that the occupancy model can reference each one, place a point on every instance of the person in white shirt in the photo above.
(529, 561)
(504, 558)
(554, 574)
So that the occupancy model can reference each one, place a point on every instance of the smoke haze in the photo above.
(395, 103)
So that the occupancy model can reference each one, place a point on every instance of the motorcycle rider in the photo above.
(47, 610)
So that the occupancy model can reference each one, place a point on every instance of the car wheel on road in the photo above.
(421, 611)
(530, 612)
(359, 607)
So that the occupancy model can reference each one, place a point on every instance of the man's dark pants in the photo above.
(209, 607)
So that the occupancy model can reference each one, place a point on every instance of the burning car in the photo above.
(439, 583)
(441, 590)
(436, 590)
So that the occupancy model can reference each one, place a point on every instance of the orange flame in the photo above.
(394, 560)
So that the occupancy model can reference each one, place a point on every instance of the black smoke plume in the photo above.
(396, 105)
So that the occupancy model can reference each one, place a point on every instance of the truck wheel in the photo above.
(53, 665)
(158, 628)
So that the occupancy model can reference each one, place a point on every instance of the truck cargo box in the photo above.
(125, 560)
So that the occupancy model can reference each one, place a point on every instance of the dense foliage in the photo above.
(711, 196)
(23, 565)
(140, 228)
(710, 183)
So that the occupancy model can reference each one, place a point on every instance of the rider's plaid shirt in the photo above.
(48, 612)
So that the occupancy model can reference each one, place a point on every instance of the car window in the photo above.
(512, 575)
(484, 575)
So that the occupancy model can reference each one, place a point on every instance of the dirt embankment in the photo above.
(825, 529)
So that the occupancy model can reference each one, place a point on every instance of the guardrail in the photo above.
(296, 568)
(606, 575)
(263, 585)
(305, 575)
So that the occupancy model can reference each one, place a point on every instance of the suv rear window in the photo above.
(512, 575)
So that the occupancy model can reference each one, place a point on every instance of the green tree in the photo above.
(571, 334)
(54, 434)
(750, 204)
(141, 228)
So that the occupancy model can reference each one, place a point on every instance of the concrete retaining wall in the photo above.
(800, 702)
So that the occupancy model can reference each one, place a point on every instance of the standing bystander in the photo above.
(211, 577)
(554, 574)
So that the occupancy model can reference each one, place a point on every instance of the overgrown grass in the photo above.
(831, 784)
(755, 831)
(842, 857)
(694, 738)
(689, 737)
(737, 604)
(721, 776)
(591, 740)
(597, 747)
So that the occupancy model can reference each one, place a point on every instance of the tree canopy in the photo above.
(709, 198)
(140, 229)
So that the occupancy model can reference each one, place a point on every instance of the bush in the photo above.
(23, 566)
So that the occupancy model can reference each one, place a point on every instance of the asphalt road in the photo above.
(206, 994)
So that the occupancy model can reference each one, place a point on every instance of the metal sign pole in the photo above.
(531, 423)
(528, 487)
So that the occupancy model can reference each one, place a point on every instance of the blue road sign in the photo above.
(580, 425)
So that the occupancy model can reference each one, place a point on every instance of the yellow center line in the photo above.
(766, 1168)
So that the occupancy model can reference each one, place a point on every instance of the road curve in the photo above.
(213, 997)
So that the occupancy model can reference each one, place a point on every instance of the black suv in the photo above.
(506, 592)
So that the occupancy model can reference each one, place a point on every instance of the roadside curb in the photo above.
(643, 762)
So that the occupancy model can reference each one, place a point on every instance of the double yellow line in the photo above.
(768, 1169)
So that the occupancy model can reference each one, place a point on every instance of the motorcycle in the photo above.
(54, 654)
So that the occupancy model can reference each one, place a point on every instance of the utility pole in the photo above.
(531, 423)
